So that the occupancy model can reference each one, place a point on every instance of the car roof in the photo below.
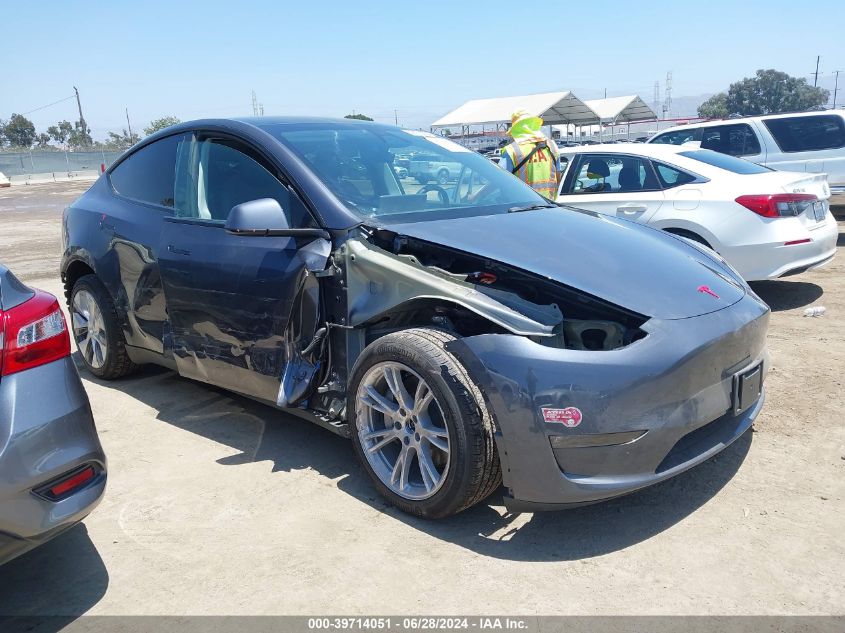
(656, 150)
(745, 119)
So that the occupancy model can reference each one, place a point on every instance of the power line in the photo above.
(73, 96)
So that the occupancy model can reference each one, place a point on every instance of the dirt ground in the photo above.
(219, 505)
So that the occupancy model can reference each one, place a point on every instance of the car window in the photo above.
(438, 179)
(677, 137)
(149, 174)
(227, 174)
(672, 176)
(723, 161)
(591, 173)
(625, 174)
(808, 133)
(735, 139)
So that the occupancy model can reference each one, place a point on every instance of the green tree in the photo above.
(160, 124)
(770, 92)
(19, 131)
(80, 136)
(2, 132)
(60, 132)
(716, 107)
(122, 140)
(360, 117)
(43, 140)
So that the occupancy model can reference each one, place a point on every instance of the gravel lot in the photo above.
(219, 505)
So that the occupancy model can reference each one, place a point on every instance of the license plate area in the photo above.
(820, 210)
(747, 387)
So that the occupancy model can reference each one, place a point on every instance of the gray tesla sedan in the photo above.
(462, 334)
(52, 467)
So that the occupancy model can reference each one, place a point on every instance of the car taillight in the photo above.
(778, 205)
(33, 333)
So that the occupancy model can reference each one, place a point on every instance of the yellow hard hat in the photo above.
(523, 122)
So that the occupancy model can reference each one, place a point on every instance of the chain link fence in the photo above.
(59, 163)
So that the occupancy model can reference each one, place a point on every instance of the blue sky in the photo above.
(328, 58)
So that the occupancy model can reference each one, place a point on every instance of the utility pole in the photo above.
(816, 74)
(836, 86)
(396, 116)
(254, 104)
(667, 104)
(656, 101)
(79, 105)
(128, 123)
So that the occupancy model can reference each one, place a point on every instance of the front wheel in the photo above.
(420, 426)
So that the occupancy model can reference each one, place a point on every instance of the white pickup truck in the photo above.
(812, 142)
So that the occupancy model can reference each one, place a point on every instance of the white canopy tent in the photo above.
(627, 109)
(553, 107)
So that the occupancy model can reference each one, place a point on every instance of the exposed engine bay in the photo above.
(563, 317)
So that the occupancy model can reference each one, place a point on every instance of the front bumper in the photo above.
(676, 385)
(46, 430)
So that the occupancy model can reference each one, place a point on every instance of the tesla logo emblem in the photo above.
(706, 290)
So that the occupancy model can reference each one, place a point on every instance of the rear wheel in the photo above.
(97, 331)
(421, 429)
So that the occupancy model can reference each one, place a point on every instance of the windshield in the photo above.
(403, 176)
(723, 161)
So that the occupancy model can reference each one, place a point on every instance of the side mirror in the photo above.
(265, 217)
(257, 217)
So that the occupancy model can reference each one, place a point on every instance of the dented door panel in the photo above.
(230, 300)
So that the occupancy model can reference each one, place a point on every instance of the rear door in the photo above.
(131, 223)
(814, 144)
(238, 305)
(614, 184)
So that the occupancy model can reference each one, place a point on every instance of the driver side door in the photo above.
(237, 305)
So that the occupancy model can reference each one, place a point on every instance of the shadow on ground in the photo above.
(262, 433)
(782, 294)
(75, 581)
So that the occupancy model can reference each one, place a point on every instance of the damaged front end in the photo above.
(378, 282)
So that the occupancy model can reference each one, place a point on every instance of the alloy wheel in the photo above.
(403, 436)
(89, 329)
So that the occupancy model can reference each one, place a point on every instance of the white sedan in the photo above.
(765, 223)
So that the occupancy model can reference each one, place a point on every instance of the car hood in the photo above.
(635, 267)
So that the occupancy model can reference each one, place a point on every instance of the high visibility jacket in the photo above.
(540, 172)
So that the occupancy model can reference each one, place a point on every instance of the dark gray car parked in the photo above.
(52, 467)
(461, 334)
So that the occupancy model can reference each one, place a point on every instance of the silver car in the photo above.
(52, 466)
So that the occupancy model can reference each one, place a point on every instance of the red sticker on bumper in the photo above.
(569, 417)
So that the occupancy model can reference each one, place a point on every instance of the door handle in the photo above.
(632, 208)
(177, 251)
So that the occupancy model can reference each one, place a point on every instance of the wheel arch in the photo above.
(73, 271)
(694, 234)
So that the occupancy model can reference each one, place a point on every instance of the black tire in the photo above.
(116, 361)
(442, 177)
(474, 471)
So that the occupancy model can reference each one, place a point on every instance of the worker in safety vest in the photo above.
(532, 157)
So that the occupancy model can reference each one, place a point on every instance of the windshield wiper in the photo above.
(531, 207)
